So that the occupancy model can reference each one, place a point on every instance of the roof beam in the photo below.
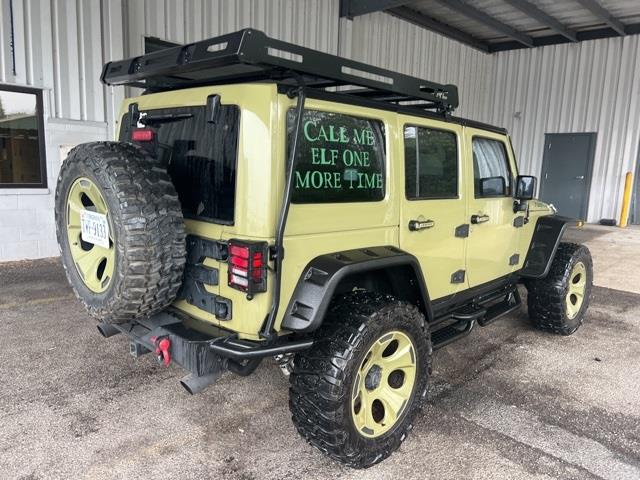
(603, 14)
(596, 34)
(355, 8)
(545, 19)
(479, 16)
(434, 25)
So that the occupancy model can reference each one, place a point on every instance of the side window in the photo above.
(491, 174)
(341, 158)
(430, 163)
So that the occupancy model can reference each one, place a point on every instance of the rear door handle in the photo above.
(580, 177)
(479, 218)
(415, 225)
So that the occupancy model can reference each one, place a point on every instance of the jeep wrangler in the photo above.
(268, 200)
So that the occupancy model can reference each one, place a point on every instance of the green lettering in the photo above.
(302, 182)
(315, 155)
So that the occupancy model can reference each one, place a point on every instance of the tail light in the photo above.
(142, 135)
(248, 266)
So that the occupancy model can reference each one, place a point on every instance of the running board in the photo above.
(449, 334)
(510, 304)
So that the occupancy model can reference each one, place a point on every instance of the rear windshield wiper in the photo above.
(164, 118)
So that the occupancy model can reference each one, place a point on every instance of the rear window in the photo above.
(341, 158)
(200, 157)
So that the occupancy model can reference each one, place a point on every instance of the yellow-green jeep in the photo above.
(267, 200)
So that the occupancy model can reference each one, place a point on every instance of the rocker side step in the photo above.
(511, 303)
(450, 333)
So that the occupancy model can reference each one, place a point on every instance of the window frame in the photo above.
(41, 141)
(404, 161)
(385, 153)
(509, 193)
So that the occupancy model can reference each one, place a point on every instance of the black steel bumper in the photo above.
(203, 356)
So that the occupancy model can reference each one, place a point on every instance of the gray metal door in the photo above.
(635, 198)
(566, 172)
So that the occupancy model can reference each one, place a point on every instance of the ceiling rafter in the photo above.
(547, 20)
(479, 16)
(434, 25)
(355, 8)
(603, 14)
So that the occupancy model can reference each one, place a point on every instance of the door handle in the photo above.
(580, 177)
(479, 218)
(415, 225)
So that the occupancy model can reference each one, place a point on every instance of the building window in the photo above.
(430, 163)
(22, 153)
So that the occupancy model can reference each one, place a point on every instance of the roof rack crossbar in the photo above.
(250, 55)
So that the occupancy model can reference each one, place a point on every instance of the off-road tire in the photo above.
(546, 299)
(322, 378)
(147, 224)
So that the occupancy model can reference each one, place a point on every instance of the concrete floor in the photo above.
(506, 402)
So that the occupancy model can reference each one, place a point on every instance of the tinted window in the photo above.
(430, 163)
(200, 157)
(490, 168)
(21, 153)
(340, 158)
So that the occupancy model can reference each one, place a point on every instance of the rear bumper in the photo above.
(199, 354)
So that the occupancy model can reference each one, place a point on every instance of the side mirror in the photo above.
(493, 187)
(525, 187)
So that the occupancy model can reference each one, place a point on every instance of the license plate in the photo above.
(95, 228)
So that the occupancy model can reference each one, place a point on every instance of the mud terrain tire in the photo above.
(142, 268)
(323, 377)
(550, 302)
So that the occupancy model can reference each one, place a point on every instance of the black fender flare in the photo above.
(544, 243)
(322, 275)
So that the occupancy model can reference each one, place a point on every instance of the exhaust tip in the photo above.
(107, 330)
(193, 384)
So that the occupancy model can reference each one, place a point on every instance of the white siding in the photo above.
(585, 87)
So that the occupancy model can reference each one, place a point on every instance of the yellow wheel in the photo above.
(355, 393)
(577, 286)
(384, 384)
(94, 263)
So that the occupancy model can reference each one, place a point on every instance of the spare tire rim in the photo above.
(384, 384)
(94, 263)
(577, 286)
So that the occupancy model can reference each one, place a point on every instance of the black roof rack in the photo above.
(249, 55)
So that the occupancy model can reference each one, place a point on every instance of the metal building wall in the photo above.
(60, 46)
(585, 87)
(312, 23)
(389, 42)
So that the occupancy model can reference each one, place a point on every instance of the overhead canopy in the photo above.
(497, 25)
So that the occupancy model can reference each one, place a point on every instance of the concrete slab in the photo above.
(506, 402)
(615, 252)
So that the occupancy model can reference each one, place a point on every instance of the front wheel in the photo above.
(355, 393)
(559, 301)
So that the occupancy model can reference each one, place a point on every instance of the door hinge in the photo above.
(462, 231)
(514, 259)
(458, 277)
(518, 221)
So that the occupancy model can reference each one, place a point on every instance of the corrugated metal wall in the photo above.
(60, 46)
(389, 42)
(585, 87)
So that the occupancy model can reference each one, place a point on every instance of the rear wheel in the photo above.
(133, 267)
(559, 301)
(355, 393)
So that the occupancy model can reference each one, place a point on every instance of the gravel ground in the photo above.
(505, 402)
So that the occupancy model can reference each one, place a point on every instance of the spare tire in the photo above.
(129, 261)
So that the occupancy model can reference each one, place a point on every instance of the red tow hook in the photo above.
(162, 344)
